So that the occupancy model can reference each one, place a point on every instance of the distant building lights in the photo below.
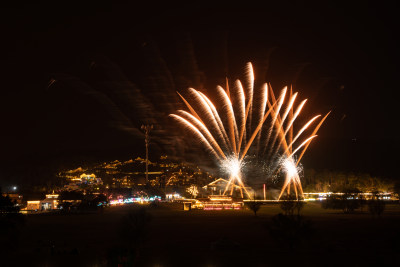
(141, 200)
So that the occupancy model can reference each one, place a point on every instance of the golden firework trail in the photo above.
(229, 137)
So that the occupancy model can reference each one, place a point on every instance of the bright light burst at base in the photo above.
(243, 129)
(292, 177)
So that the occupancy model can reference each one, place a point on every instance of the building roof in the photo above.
(219, 182)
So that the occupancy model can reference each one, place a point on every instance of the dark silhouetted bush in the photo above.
(376, 206)
(289, 231)
(133, 231)
(290, 203)
(348, 202)
(134, 227)
(11, 222)
(253, 206)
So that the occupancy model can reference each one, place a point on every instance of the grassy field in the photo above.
(211, 238)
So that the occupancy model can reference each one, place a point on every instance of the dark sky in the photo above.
(118, 66)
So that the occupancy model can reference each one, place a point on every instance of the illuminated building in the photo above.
(33, 205)
(214, 202)
(173, 196)
(50, 203)
(90, 179)
(218, 186)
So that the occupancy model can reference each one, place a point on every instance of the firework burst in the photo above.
(262, 128)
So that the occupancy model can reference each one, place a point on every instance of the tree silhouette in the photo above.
(376, 206)
(348, 202)
(290, 203)
(10, 223)
(7, 205)
(253, 206)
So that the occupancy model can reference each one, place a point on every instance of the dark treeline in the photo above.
(336, 181)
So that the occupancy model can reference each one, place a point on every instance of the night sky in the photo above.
(115, 67)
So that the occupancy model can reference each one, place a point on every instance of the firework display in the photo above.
(250, 122)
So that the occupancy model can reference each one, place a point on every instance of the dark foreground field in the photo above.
(209, 238)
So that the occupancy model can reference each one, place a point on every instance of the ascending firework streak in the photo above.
(229, 138)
